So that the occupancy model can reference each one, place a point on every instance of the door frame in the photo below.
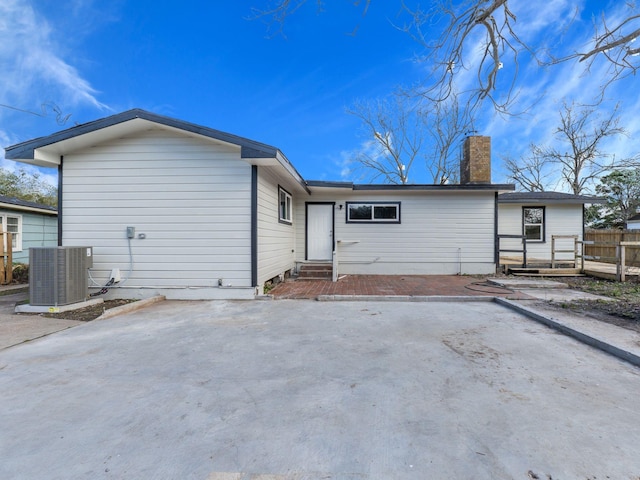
(306, 226)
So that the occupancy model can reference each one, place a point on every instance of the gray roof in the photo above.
(56, 144)
(26, 204)
(547, 197)
(634, 218)
(410, 187)
(250, 148)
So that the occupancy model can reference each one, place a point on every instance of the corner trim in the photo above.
(496, 240)
(60, 212)
(254, 225)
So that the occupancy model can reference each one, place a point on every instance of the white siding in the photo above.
(559, 220)
(276, 241)
(633, 225)
(439, 233)
(191, 198)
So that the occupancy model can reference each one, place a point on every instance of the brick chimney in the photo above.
(475, 166)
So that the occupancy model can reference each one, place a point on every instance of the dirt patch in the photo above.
(623, 310)
(89, 313)
(608, 312)
(84, 314)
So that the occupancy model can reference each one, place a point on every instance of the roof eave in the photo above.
(533, 200)
(494, 187)
(46, 151)
(27, 150)
(20, 208)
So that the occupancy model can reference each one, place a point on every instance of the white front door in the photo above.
(319, 231)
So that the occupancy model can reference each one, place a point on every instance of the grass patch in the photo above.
(625, 291)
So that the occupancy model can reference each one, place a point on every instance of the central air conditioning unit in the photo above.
(59, 275)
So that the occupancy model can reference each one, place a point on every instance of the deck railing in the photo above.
(621, 254)
(522, 250)
(6, 265)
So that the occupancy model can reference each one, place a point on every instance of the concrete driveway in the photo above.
(15, 329)
(316, 390)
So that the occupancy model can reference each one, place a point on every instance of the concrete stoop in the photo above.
(519, 283)
(315, 271)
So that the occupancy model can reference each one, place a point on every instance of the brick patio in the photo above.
(405, 285)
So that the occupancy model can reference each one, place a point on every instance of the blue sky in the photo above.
(205, 62)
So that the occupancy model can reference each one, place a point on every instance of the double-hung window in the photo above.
(13, 225)
(285, 206)
(373, 212)
(533, 223)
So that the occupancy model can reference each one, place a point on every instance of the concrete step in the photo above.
(320, 271)
(567, 272)
(520, 283)
(306, 274)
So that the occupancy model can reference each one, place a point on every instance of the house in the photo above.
(539, 216)
(30, 224)
(633, 222)
(191, 212)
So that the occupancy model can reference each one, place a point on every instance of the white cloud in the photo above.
(549, 18)
(34, 70)
(35, 73)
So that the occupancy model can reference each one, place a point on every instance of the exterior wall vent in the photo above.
(59, 275)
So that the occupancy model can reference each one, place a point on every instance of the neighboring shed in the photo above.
(633, 223)
(539, 216)
(30, 224)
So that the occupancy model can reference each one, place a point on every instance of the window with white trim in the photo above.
(533, 223)
(373, 212)
(285, 208)
(13, 224)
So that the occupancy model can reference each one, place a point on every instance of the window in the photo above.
(373, 212)
(13, 224)
(533, 223)
(285, 206)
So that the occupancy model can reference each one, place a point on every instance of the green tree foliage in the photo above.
(621, 188)
(27, 186)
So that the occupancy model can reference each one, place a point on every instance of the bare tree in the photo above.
(452, 32)
(530, 174)
(394, 136)
(45, 108)
(447, 50)
(490, 27)
(277, 12)
(577, 156)
(399, 130)
(448, 123)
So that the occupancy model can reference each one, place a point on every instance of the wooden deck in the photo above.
(542, 268)
(539, 267)
(608, 271)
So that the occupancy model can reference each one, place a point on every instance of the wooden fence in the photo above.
(606, 242)
(6, 265)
